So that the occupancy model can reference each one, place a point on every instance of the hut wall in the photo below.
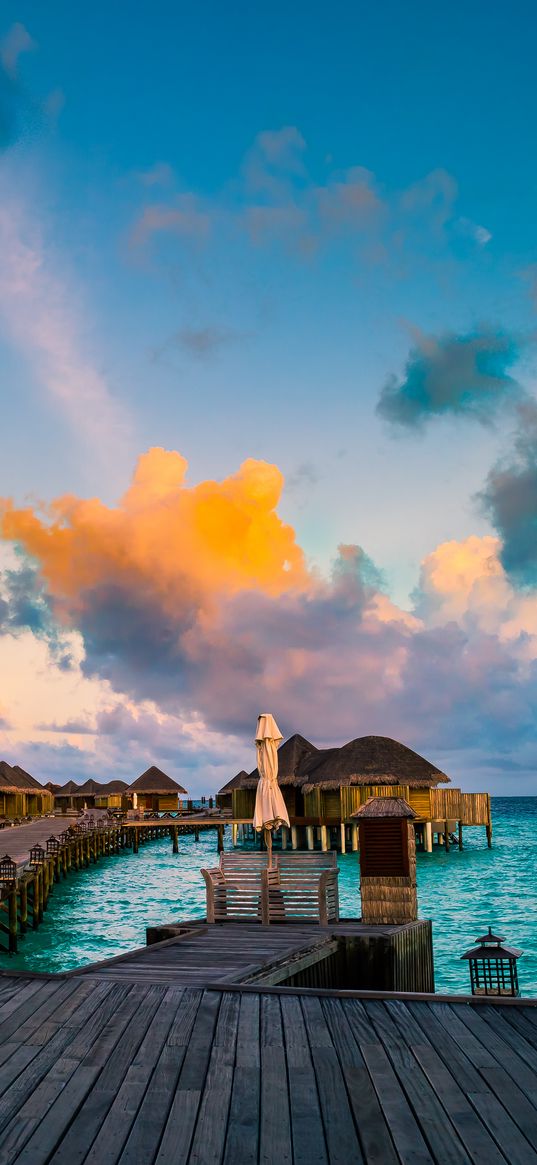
(224, 801)
(168, 802)
(420, 802)
(289, 796)
(312, 804)
(331, 804)
(243, 801)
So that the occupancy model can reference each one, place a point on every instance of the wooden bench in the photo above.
(301, 886)
(234, 888)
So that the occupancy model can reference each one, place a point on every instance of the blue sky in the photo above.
(225, 233)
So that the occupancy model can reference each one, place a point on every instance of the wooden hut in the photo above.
(224, 797)
(293, 756)
(67, 796)
(112, 795)
(370, 766)
(21, 794)
(155, 791)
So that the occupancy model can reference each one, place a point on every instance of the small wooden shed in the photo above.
(387, 861)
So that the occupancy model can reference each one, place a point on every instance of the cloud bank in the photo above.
(198, 600)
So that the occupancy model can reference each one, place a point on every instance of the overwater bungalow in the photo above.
(224, 798)
(156, 791)
(21, 795)
(323, 788)
(113, 795)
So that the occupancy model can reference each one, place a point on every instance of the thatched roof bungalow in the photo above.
(369, 766)
(156, 791)
(21, 794)
(224, 797)
(328, 785)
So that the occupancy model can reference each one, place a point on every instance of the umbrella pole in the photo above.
(268, 840)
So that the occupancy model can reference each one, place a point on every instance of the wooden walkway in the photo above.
(17, 840)
(97, 1072)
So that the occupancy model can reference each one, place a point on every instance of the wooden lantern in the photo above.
(387, 861)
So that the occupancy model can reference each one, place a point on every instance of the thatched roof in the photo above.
(29, 781)
(70, 789)
(373, 760)
(376, 807)
(90, 788)
(52, 787)
(236, 782)
(13, 781)
(155, 781)
(113, 787)
(292, 756)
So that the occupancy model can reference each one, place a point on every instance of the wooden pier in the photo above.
(108, 1068)
(40, 854)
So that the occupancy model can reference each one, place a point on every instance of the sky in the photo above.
(268, 290)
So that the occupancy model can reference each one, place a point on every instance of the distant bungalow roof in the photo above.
(114, 787)
(13, 781)
(24, 776)
(90, 787)
(70, 789)
(374, 760)
(292, 758)
(236, 782)
(155, 781)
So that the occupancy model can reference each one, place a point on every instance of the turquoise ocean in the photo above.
(103, 911)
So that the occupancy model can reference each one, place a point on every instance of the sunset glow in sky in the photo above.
(268, 290)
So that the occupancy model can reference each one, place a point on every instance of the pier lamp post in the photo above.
(8, 870)
(53, 845)
(493, 966)
(37, 856)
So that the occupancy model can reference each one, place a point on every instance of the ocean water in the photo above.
(103, 911)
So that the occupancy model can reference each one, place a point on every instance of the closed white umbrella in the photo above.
(270, 812)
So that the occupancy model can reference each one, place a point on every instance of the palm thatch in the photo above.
(373, 760)
(113, 787)
(292, 756)
(236, 782)
(70, 789)
(12, 781)
(376, 807)
(26, 778)
(155, 781)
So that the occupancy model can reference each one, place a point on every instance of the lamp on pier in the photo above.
(8, 869)
(53, 845)
(493, 966)
(37, 855)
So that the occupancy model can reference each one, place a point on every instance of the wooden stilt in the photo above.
(284, 837)
(175, 839)
(135, 840)
(354, 836)
(23, 899)
(294, 837)
(12, 920)
(343, 838)
(234, 829)
(446, 835)
(460, 835)
(220, 841)
(309, 835)
(428, 837)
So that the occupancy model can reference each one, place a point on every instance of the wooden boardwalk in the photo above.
(98, 1072)
(17, 840)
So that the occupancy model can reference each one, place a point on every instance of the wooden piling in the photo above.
(175, 839)
(12, 920)
(460, 835)
(220, 841)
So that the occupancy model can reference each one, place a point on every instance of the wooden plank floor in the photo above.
(98, 1072)
(219, 953)
(210, 954)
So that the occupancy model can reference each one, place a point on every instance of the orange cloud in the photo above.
(179, 545)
